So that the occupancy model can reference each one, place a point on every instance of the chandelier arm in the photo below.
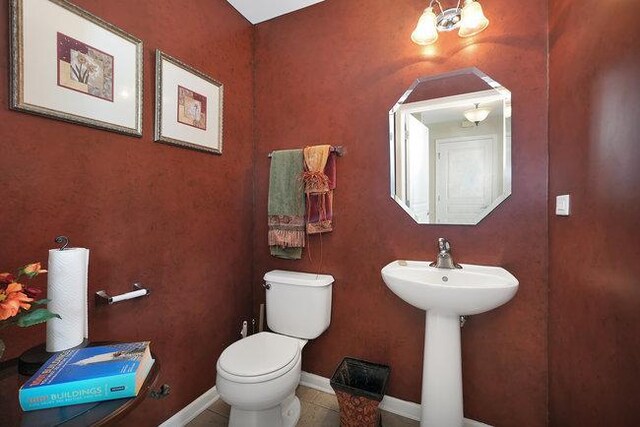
(438, 3)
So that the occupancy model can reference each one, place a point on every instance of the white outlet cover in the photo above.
(563, 205)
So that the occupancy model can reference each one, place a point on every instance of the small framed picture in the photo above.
(188, 106)
(70, 65)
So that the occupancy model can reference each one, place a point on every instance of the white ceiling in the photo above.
(262, 10)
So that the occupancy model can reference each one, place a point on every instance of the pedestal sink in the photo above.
(446, 295)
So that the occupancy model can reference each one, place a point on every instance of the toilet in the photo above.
(257, 376)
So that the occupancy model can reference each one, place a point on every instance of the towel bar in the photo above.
(338, 149)
(103, 298)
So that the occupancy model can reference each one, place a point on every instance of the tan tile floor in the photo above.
(318, 410)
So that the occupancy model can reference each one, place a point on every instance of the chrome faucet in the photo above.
(444, 258)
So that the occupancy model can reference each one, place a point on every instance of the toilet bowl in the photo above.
(257, 377)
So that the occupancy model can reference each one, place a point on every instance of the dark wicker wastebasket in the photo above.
(360, 386)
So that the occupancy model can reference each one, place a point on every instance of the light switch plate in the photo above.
(563, 205)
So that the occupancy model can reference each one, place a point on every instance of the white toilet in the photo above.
(257, 376)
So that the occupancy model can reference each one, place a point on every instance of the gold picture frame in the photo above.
(188, 107)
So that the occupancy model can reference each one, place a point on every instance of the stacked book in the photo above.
(88, 374)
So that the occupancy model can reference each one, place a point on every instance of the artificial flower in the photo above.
(32, 270)
(31, 291)
(12, 300)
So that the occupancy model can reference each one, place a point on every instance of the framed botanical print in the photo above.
(188, 106)
(70, 65)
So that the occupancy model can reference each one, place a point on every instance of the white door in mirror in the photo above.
(466, 178)
(563, 205)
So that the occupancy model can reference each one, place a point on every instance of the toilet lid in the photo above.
(259, 354)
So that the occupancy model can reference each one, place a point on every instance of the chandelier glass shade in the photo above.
(472, 19)
(477, 114)
(425, 32)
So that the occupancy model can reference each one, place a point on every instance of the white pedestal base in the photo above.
(442, 372)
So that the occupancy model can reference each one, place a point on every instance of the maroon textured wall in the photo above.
(329, 74)
(177, 220)
(594, 334)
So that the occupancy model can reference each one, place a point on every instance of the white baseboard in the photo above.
(396, 406)
(316, 382)
(391, 404)
(193, 409)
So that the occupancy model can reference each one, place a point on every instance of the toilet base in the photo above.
(290, 411)
(286, 414)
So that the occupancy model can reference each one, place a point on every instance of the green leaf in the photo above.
(41, 301)
(35, 317)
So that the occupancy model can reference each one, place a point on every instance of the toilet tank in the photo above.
(298, 304)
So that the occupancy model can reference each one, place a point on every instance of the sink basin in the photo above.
(473, 289)
(446, 295)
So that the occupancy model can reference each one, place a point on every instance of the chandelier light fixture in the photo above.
(468, 20)
(477, 114)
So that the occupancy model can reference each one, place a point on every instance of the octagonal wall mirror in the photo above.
(450, 147)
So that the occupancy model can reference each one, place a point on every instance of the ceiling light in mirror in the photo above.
(451, 164)
(477, 114)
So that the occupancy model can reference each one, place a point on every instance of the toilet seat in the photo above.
(258, 358)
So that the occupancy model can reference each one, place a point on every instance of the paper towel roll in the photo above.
(67, 290)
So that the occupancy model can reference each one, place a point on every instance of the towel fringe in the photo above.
(286, 231)
(287, 238)
(315, 182)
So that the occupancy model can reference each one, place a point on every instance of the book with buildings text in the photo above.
(88, 374)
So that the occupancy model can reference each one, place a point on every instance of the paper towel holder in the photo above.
(62, 240)
(103, 298)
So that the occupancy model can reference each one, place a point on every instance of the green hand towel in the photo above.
(286, 204)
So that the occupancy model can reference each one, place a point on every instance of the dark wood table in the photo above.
(89, 414)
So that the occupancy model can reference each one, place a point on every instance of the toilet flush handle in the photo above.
(266, 285)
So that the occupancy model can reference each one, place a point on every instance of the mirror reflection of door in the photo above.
(466, 177)
(417, 137)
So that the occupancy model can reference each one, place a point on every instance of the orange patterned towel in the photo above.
(319, 183)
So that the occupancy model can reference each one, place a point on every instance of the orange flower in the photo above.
(12, 300)
(32, 270)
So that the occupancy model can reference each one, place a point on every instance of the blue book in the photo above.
(88, 374)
